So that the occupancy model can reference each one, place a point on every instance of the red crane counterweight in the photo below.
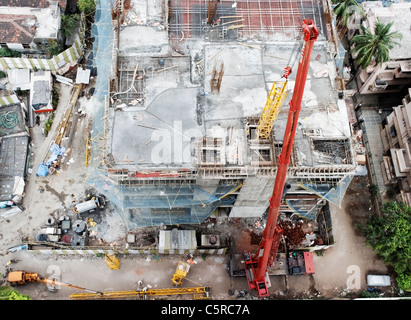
(256, 266)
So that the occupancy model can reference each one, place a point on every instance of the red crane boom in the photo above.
(256, 266)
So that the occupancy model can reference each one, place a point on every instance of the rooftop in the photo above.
(29, 21)
(25, 3)
(167, 103)
(398, 13)
(32, 3)
(17, 29)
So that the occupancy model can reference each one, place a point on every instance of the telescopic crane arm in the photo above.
(20, 277)
(256, 266)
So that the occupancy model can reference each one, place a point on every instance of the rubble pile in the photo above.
(292, 231)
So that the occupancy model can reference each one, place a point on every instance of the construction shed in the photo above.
(176, 240)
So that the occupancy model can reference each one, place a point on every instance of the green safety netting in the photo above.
(332, 193)
(138, 205)
(310, 214)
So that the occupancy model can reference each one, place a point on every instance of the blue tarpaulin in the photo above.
(56, 151)
(43, 170)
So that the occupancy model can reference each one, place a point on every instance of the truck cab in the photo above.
(19, 277)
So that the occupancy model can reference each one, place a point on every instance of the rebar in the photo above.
(262, 18)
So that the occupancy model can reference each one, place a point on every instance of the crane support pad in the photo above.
(309, 262)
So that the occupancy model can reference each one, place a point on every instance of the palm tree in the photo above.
(374, 46)
(344, 10)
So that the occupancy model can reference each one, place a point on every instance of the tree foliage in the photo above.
(375, 45)
(87, 6)
(390, 237)
(69, 23)
(6, 52)
(344, 9)
(8, 293)
(54, 48)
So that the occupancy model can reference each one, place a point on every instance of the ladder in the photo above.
(271, 109)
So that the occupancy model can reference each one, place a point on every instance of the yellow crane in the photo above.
(272, 106)
(112, 261)
(181, 272)
(197, 292)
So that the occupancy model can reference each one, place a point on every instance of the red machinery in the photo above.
(256, 266)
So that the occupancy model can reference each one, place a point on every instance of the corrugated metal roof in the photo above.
(83, 76)
(177, 239)
(19, 78)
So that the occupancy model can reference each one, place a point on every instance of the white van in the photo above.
(374, 280)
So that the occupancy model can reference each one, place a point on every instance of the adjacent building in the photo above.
(29, 26)
(394, 75)
(396, 139)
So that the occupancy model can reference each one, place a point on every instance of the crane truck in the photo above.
(256, 265)
(21, 277)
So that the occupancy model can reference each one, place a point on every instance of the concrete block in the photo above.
(131, 238)
(361, 159)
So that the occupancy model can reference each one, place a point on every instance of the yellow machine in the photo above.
(112, 261)
(271, 109)
(21, 277)
(181, 272)
(197, 292)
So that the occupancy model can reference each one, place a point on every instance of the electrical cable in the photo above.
(9, 120)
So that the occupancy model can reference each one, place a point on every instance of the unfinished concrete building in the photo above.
(174, 137)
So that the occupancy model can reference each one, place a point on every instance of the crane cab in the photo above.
(181, 272)
(21, 277)
(16, 277)
(260, 286)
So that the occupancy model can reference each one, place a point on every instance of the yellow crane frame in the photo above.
(271, 109)
(197, 292)
(112, 261)
(181, 272)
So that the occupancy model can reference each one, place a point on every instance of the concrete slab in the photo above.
(161, 135)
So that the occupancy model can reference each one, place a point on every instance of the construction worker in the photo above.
(216, 21)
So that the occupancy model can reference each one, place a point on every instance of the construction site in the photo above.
(189, 133)
(187, 122)
(178, 142)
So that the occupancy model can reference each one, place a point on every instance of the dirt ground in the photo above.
(339, 271)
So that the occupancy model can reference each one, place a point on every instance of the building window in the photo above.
(393, 132)
(210, 151)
